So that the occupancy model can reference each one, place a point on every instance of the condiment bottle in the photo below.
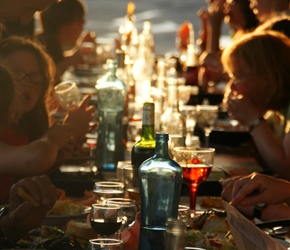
(111, 98)
(160, 184)
(145, 147)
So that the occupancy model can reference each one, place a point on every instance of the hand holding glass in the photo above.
(67, 94)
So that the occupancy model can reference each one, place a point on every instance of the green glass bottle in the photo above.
(145, 147)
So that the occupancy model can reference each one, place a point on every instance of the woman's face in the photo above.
(27, 76)
(245, 82)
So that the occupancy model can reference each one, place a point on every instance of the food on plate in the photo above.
(212, 202)
(50, 238)
(80, 230)
(209, 241)
(211, 231)
(216, 224)
(27, 197)
(66, 207)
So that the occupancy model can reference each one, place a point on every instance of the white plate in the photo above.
(61, 220)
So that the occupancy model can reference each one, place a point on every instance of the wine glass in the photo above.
(206, 116)
(106, 219)
(67, 94)
(108, 189)
(105, 244)
(129, 211)
(196, 164)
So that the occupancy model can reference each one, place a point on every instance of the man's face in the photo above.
(22, 9)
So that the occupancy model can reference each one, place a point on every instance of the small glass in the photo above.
(108, 189)
(184, 214)
(105, 244)
(67, 94)
(132, 182)
(206, 117)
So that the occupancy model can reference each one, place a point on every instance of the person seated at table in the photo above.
(240, 19)
(258, 64)
(262, 196)
(62, 28)
(21, 10)
(33, 73)
(25, 214)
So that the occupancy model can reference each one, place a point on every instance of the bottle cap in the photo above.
(162, 136)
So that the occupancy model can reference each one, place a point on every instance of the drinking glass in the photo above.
(196, 164)
(129, 211)
(106, 219)
(67, 94)
(105, 244)
(132, 183)
(108, 189)
(206, 116)
(184, 214)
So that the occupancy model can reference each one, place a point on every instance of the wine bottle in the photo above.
(160, 184)
(145, 147)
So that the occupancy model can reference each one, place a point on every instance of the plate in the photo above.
(61, 220)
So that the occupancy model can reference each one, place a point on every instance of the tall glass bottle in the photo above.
(145, 147)
(160, 184)
(172, 121)
(111, 97)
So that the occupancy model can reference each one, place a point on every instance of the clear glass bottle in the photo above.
(145, 147)
(175, 234)
(111, 98)
(172, 121)
(160, 184)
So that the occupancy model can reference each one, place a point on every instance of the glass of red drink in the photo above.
(196, 164)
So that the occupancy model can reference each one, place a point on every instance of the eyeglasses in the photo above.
(35, 78)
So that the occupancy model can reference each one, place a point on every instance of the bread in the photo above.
(215, 224)
(80, 230)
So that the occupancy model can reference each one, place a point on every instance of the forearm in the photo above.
(276, 212)
(271, 150)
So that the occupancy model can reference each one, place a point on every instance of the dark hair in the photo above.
(36, 121)
(251, 20)
(60, 13)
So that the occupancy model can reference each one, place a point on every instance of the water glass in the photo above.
(184, 214)
(108, 189)
(132, 183)
(105, 244)
(120, 170)
(67, 94)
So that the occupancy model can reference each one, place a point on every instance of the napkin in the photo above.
(246, 234)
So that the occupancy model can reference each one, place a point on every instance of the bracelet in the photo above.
(258, 209)
(255, 123)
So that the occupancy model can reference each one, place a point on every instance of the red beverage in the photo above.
(195, 173)
(106, 228)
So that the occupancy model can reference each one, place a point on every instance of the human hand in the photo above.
(60, 134)
(242, 109)
(257, 188)
(80, 117)
(23, 216)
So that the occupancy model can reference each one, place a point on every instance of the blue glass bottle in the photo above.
(160, 184)
(111, 99)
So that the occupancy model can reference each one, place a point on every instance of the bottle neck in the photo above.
(161, 150)
(148, 124)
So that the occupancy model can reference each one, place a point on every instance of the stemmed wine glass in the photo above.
(108, 189)
(129, 212)
(67, 94)
(106, 219)
(105, 244)
(196, 164)
(206, 116)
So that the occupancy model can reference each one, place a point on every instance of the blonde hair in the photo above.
(267, 53)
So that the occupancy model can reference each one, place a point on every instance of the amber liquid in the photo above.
(134, 194)
(195, 173)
